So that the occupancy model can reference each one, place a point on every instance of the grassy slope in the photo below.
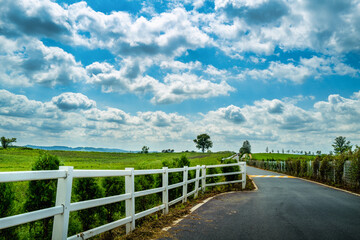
(15, 159)
(279, 156)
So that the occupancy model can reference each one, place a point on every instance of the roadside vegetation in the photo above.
(341, 169)
(21, 197)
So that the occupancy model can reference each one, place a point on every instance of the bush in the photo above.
(231, 169)
(355, 168)
(87, 189)
(325, 168)
(316, 166)
(339, 168)
(41, 194)
(6, 209)
(114, 186)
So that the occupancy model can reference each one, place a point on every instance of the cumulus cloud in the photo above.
(72, 101)
(162, 119)
(28, 62)
(179, 87)
(315, 67)
(34, 18)
(264, 121)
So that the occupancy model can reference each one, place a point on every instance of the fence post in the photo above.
(165, 194)
(63, 197)
(203, 178)
(197, 181)
(185, 178)
(130, 203)
(243, 175)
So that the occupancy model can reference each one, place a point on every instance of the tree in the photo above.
(145, 149)
(5, 142)
(41, 194)
(203, 142)
(341, 145)
(246, 147)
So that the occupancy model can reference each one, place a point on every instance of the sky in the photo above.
(282, 74)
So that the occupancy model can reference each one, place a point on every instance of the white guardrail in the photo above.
(63, 205)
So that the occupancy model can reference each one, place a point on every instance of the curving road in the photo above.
(282, 208)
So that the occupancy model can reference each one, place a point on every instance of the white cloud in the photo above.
(29, 61)
(179, 87)
(72, 101)
(315, 67)
(261, 123)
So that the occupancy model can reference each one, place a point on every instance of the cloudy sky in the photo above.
(123, 74)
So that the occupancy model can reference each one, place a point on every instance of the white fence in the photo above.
(63, 206)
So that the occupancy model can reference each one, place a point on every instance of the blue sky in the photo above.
(123, 74)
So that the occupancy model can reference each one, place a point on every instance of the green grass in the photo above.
(279, 156)
(15, 159)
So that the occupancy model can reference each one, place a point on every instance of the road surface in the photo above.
(282, 208)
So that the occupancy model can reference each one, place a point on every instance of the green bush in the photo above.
(41, 194)
(316, 166)
(87, 189)
(325, 168)
(355, 168)
(6, 209)
(303, 168)
(339, 168)
(231, 169)
(176, 177)
(114, 186)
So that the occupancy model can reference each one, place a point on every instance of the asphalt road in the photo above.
(282, 208)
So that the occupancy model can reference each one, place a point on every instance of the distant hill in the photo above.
(83, 149)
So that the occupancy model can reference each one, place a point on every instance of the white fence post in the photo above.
(197, 181)
(63, 197)
(203, 180)
(185, 178)
(165, 194)
(130, 203)
(243, 175)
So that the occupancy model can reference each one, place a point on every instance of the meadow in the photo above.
(17, 159)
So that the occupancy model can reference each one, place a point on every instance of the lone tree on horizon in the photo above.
(203, 142)
(5, 142)
(340, 145)
(246, 147)
(145, 149)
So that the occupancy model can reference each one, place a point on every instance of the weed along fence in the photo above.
(63, 206)
(341, 173)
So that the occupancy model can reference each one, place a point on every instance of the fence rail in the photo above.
(63, 206)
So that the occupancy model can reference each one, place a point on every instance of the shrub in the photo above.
(231, 169)
(303, 168)
(114, 186)
(41, 194)
(87, 189)
(6, 209)
(355, 168)
(325, 168)
(316, 166)
(339, 168)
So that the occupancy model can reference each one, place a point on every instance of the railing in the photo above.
(63, 206)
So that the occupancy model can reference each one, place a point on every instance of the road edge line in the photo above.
(194, 208)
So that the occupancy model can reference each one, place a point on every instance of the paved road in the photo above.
(282, 208)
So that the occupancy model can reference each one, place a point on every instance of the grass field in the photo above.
(15, 159)
(279, 156)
